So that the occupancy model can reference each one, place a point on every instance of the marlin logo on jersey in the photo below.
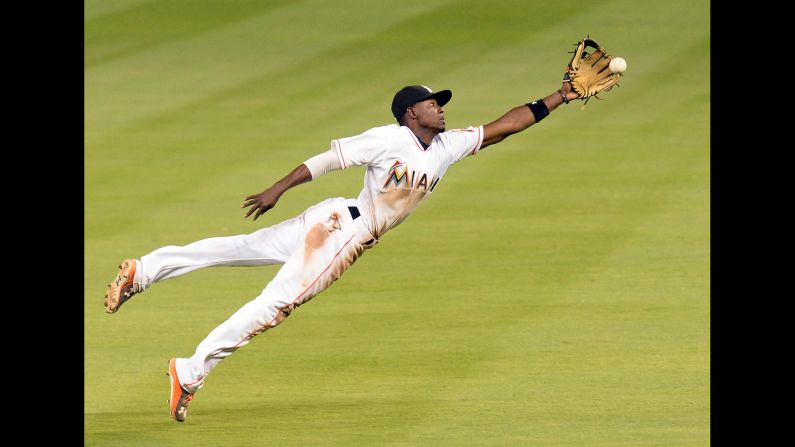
(399, 173)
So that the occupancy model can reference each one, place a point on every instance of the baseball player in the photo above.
(405, 163)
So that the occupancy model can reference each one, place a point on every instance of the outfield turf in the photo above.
(554, 290)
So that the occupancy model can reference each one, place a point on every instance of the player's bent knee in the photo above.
(281, 315)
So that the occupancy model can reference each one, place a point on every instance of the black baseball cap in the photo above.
(412, 94)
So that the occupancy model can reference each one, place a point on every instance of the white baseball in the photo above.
(618, 65)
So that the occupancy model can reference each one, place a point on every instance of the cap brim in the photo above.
(442, 97)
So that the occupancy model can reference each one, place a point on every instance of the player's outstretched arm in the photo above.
(267, 199)
(522, 117)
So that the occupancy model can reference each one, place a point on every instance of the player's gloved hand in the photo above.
(589, 70)
(262, 202)
(568, 91)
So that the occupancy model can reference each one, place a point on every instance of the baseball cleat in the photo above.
(122, 287)
(179, 398)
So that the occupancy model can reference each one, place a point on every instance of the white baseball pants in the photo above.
(316, 248)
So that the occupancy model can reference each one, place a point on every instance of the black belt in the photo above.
(355, 214)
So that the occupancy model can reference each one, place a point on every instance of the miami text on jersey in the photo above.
(399, 173)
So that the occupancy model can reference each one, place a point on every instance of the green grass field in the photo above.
(554, 291)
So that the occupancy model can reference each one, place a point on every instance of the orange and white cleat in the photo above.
(122, 288)
(179, 398)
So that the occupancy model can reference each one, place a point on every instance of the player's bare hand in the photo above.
(261, 202)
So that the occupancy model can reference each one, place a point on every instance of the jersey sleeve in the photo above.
(461, 143)
(364, 149)
(323, 163)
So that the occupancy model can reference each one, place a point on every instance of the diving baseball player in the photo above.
(405, 163)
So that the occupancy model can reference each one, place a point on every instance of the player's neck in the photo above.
(424, 134)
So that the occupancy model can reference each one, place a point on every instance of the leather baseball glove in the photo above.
(589, 71)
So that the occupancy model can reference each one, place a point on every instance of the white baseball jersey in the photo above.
(400, 173)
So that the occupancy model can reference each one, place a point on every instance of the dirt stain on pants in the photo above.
(319, 233)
